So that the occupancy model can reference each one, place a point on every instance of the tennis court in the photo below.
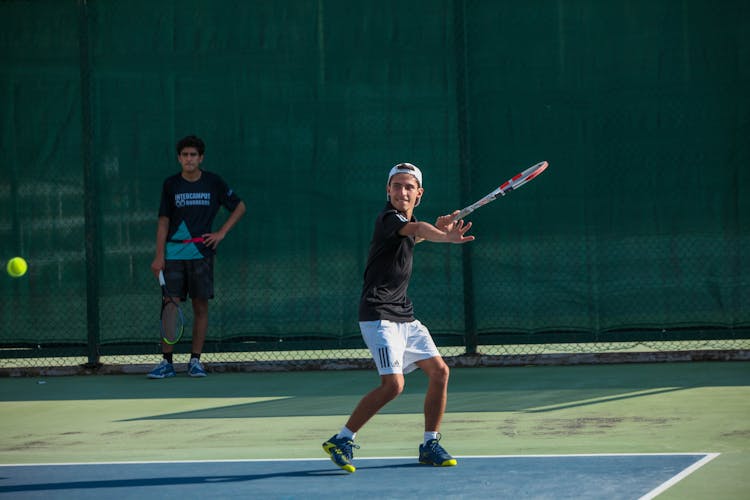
(604, 431)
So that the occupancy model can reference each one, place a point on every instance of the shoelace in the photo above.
(436, 449)
(347, 448)
(434, 442)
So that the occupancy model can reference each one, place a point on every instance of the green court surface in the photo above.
(596, 409)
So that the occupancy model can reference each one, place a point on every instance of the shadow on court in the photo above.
(163, 481)
(160, 481)
(406, 403)
(532, 389)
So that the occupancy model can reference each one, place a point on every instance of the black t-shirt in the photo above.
(192, 208)
(388, 270)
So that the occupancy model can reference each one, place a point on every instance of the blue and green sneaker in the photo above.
(431, 453)
(341, 452)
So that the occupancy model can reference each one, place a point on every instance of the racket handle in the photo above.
(463, 213)
(161, 278)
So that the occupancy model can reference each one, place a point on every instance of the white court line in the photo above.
(708, 457)
(679, 477)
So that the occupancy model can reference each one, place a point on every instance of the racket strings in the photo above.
(171, 322)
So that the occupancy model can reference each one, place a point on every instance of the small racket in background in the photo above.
(514, 182)
(172, 321)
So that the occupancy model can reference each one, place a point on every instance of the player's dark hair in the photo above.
(191, 141)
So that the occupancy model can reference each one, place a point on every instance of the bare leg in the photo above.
(390, 387)
(200, 324)
(437, 392)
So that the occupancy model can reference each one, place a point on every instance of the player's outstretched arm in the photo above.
(453, 233)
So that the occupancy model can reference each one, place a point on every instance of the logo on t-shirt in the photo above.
(401, 217)
(191, 199)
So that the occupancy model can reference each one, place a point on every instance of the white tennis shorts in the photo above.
(396, 347)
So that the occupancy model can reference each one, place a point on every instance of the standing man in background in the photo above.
(186, 244)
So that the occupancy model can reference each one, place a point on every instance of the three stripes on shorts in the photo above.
(384, 358)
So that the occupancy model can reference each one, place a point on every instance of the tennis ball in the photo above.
(17, 267)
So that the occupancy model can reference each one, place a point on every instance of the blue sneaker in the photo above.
(341, 452)
(431, 453)
(195, 368)
(162, 370)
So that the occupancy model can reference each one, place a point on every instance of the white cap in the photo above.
(406, 168)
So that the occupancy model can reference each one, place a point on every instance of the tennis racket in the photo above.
(511, 184)
(172, 321)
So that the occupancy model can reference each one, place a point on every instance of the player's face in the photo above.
(190, 160)
(404, 191)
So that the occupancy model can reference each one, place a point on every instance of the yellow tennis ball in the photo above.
(17, 267)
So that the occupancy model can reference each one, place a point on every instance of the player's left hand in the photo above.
(212, 240)
(457, 232)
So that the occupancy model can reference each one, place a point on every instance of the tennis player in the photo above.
(398, 342)
(186, 244)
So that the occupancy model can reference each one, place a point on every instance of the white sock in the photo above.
(430, 435)
(346, 433)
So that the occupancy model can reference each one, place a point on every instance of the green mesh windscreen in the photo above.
(642, 220)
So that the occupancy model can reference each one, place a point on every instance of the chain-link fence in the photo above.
(637, 236)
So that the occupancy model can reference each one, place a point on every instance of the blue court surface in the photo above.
(564, 476)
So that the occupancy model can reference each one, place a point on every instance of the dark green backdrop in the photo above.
(641, 223)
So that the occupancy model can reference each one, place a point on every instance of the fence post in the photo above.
(90, 200)
(464, 166)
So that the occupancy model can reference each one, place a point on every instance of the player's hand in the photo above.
(457, 233)
(445, 222)
(212, 240)
(156, 266)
